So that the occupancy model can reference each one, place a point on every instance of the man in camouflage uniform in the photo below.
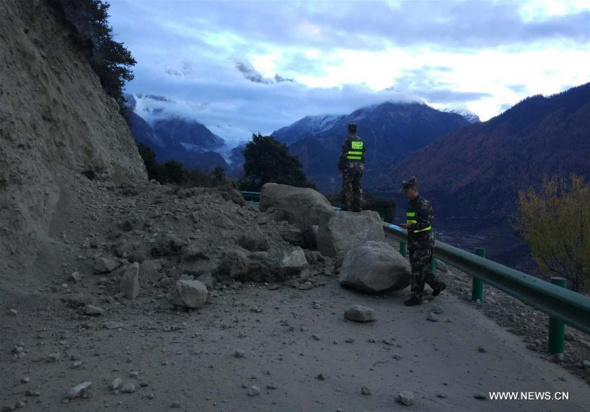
(420, 243)
(351, 165)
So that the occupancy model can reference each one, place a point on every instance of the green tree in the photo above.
(268, 160)
(174, 172)
(555, 223)
(110, 59)
(218, 174)
(152, 167)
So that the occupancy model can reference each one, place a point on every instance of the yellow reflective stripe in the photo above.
(357, 145)
(355, 153)
(354, 158)
(411, 222)
(411, 214)
(423, 230)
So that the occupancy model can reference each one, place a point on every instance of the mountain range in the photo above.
(174, 137)
(391, 131)
(477, 171)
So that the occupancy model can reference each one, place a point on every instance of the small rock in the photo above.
(481, 349)
(12, 312)
(80, 390)
(25, 380)
(405, 398)
(133, 374)
(480, 396)
(18, 350)
(441, 395)
(442, 266)
(365, 391)
(586, 364)
(129, 285)
(305, 286)
(253, 390)
(315, 337)
(432, 317)
(116, 384)
(271, 387)
(105, 265)
(53, 357)
(240, 353)
(437, 309)
(32, 393)
(358, 313)
(92, 310)
(320, 377)
(189, 293)
(113, 325)
(75, 277)
(128, 388)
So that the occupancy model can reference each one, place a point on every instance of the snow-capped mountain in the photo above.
(161, 123)
(391, 132)
(250, 73)
(465, 113)
(306, 127)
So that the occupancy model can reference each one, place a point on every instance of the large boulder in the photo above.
(189, 293)
(375, 267)
(300, 206)
(340, 232)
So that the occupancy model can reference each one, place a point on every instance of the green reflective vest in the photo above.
(411, 219)
(356, 150)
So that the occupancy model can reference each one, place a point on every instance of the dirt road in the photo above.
(297, 348)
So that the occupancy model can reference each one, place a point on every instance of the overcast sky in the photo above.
(482, 55)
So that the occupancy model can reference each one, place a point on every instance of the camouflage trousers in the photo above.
(420, 261)
(352, 190)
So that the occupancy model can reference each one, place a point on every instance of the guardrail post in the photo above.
(432, 266)
(403, 249)
(556, 327)
(477, 286)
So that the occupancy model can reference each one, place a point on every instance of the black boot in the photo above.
(436, 292)
(413, 301)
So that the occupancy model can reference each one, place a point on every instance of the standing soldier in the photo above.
(420, 243)
(351, 165)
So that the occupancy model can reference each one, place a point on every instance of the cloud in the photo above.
(478, 54)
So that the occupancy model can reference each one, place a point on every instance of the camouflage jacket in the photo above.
(424, 216)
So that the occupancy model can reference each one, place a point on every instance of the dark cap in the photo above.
(352, 127)
(408, 184)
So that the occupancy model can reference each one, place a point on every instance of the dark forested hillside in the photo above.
(477, 171)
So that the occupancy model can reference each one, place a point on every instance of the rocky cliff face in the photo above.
(56, 123)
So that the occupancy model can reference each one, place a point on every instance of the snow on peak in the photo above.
(465, 113)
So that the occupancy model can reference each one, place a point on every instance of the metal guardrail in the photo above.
(251, 196)
(561, 304)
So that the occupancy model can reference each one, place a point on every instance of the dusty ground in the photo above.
(187, 360)
(290, 338)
